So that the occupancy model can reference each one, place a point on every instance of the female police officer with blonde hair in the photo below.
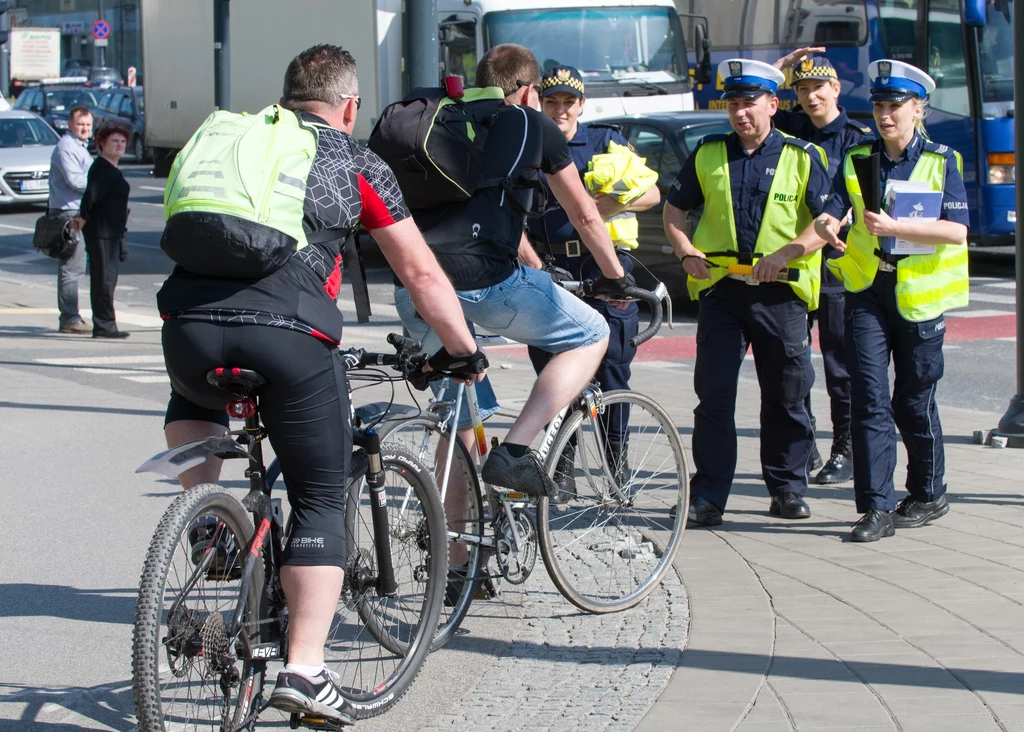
(895, 305)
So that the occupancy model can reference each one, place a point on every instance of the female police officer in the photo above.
(895, 306)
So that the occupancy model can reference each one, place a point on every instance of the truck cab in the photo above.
(631, 53)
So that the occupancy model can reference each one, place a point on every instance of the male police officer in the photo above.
(761, 191)
(554, 235)
(827, 125)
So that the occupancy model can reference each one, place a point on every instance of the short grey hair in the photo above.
(323, 74)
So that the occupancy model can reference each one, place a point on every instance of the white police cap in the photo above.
(743, 77)
(897, 81)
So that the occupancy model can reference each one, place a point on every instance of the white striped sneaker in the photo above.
(319, 695)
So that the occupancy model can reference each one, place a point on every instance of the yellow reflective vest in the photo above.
(786, 214)
(622, 173)
(926, 284)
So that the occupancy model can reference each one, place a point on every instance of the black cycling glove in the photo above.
(470, 365)
(612, 287)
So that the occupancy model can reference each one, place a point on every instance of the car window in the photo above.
(690, 137)
(139, 100)
(114, 104)
(650, 143)
(25, 132)
(35, 99)
(62, 100)
(105, 100)
(125, 110)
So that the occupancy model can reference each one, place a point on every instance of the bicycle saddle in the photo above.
(240, 383)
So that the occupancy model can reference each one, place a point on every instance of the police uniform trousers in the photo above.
(614, 370)
(772, 320)
(830, 317)
(874, 331)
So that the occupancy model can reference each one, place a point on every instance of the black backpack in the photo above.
(434, 144)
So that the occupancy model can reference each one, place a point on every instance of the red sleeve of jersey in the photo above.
(375, 213)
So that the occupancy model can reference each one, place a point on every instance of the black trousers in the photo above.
(772, 320)
(104, 263)
(304, 407)
(876, 332)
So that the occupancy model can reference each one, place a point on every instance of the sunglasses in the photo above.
(536, 87)
(359, 100)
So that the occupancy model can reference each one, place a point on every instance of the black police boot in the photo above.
(912, 513)
(874, 525)
(814, 462)
(618, 461)
(564, 479)
(839, 467)
(704, 512)
(789, 506)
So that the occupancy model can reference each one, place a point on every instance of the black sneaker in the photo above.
(226, 564)
(319, 696)
(522, 475)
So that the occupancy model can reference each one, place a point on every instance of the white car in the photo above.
(26, 143)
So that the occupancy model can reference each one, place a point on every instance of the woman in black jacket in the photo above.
(102, 219)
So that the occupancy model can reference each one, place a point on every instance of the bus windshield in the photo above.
(605, 44)
(995, 49)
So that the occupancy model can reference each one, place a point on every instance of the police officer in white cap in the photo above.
(760, 191)
(895, 304)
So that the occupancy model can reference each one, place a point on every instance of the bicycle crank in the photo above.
(516, 564)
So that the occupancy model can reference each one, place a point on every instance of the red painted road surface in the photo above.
(679, 348)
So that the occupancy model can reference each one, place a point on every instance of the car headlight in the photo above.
(60, 124)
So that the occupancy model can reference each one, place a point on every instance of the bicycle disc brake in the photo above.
(515, 565)
(359, 578)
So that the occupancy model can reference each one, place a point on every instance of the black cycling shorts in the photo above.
(304, 407)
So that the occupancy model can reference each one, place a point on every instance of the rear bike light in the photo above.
(241, 408)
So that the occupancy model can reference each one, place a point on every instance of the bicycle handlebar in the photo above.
(586, 288)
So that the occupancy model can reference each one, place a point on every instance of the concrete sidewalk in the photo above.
(795, 628)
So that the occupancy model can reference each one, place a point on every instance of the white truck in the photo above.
(35, 55)
(631, 52)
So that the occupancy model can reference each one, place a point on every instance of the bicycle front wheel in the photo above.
(185, 672)
(608, 537)
(377, 644)
(426, 438)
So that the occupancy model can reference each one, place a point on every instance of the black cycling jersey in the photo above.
(346, 185)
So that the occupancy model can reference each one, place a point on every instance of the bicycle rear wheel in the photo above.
(426, 438)
(612, 540)
(184, 675)
(377, 645)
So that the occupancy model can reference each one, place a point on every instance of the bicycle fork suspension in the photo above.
(386, 584)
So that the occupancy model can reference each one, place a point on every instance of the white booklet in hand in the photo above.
(908, 200)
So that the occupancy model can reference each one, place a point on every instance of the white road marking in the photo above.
(149, 379)
(140, 369)
(997, 299)
(151, 188)
(26, 258)
(1003, 285)
(101, 360)
(16, 228)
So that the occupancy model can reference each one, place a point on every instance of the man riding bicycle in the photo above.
(286, 325)
(477, 244)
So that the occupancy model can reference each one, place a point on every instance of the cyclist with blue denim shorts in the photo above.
(477, 244)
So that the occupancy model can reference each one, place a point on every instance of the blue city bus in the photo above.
(966, 46)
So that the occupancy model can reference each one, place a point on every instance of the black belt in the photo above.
(892, 259)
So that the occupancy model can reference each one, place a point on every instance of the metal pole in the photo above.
(1012, 422)
(5, 57)
(423, 62)
(222, 54)
(103, 49)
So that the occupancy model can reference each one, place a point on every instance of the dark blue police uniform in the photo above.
(835, 138)
(554, 234)
(874, 329)
(770, 318)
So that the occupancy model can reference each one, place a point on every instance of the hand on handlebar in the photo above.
(467, 368)
(607, 288)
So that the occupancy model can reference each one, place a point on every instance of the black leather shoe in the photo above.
(874, 525)
(839, 467)
(704, 513)
(110, 334)
(789, 506)
(911, 513)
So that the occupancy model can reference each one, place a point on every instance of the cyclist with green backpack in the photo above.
(258, 207)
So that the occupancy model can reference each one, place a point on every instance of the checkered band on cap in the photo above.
(814, 68)
(562, 77)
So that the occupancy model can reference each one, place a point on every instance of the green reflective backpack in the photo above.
(235, 194)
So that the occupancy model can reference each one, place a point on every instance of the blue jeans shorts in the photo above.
(527, 307)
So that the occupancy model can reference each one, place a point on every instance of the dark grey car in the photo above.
(666, 140)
